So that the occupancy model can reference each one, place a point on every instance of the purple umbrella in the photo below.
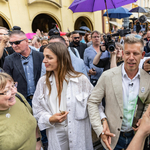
(95, 5)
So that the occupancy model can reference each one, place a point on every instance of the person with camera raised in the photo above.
(89, 54)
(125, 89)
(107, 63)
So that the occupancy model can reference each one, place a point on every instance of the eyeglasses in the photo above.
(16, 42)
(15, 84)
(96, 37)
(76, 38)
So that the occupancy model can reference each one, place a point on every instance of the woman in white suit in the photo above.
(60, 102)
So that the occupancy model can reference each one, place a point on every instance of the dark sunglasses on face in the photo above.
(76, 38)
(16, 42)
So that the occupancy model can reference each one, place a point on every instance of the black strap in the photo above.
(138, 112)
(20, 98)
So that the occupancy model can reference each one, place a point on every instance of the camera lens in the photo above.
(111, 48)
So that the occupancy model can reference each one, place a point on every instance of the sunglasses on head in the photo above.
(76, 38)
(16, 42)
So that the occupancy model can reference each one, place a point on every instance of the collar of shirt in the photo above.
(23, 57)
(124, 74)
(67, 78)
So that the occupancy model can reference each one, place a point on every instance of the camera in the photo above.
(109, 43)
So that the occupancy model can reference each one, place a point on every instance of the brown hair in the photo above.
(86, 37)
(4, 77)
(95, 31)
(64, 65)
(44, 40)
(119, 45)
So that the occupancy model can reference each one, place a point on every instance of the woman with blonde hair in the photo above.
(18, 128)
(60, 102)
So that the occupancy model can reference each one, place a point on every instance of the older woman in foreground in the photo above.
(17, 125)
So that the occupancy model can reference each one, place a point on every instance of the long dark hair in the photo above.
(64, 65)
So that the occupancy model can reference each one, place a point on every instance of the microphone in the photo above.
(130, 84)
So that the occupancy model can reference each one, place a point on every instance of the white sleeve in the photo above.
(101, 111)
(40, 109)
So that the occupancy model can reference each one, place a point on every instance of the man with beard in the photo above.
(77, 44)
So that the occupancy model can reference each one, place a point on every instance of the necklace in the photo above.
(8, 114)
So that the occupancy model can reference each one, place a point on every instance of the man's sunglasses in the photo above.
(16, 42)
(76, 38)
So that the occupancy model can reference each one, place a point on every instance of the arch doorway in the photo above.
(83, 21)
(3, 23)
(44, 23)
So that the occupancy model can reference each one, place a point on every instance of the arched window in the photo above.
(44, 22)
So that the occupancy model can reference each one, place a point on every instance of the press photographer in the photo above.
(115, 50)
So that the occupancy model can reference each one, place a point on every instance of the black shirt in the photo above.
(7, 51)
(147, 49)
(81, 48)
(105, 63)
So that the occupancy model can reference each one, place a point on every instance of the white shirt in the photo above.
(53, 98)
(79, 128)
(61, 128)
(130, 93)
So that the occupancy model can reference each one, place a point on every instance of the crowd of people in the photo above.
(55, 88)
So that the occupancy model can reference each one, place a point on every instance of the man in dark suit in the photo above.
(24, 65)
(77, 44)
